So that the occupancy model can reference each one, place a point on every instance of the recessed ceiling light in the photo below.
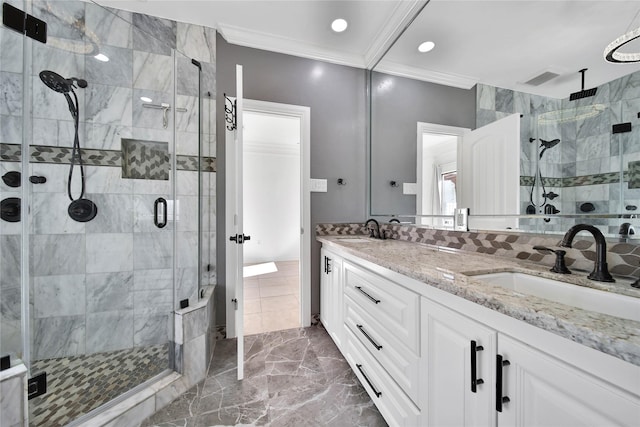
(102, 57)
(339, 25)
(145, 99)
(426, 46)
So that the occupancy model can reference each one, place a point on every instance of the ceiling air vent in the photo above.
(542, 78)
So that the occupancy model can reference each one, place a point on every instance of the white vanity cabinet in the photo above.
(546, 391)
(458, 355)
(381, 330)
(331, 295)
(430, 358)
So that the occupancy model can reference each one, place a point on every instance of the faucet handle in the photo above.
(560, 265)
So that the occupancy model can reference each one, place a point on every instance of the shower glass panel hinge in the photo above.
(24, 23)
(37, 386)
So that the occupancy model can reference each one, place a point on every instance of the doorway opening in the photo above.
(437, 173)
(271, 200)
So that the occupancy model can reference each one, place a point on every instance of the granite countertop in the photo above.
(446, 270)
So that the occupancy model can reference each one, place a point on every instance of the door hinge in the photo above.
(22, 22)
(235, 302)
(37, 386)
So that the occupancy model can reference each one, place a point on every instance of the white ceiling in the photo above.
(502, 42)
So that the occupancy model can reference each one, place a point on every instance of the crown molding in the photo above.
(401, 70)
(265, 41)
(402, 16)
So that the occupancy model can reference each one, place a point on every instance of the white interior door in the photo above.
(235, 231)
(489, 173)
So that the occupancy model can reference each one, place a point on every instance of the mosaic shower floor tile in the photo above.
(79, 384)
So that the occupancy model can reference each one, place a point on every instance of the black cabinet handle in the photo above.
(375, 391)
(500, 399)
(156, 220)
(325, 264)
(375, 344)
(377, 301)
(474, 368)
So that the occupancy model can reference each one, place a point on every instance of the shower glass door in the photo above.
(101, 226)
(11, 191)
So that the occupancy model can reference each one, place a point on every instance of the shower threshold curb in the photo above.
(142, 404)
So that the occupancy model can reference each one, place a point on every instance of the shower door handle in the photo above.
(156, 220)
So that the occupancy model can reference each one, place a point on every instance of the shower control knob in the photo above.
(37, 179)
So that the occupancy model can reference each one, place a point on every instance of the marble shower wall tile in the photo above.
(118, 71)
(111, 27)
(153, 72)
(54, 254)
(101, 327)
(109, 291)
(11, 47)
(109, 105)
(58, 337)
(109, 252)
(197, 42)
(59, 296)
(11, 95)
(162, 32)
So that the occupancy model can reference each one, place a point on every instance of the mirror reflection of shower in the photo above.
(539, 198)
(80, 209)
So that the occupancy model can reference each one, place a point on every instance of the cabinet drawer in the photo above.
(401, 364)
(395, 406)
(393, 306)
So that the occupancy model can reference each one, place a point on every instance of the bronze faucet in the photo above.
(600, 271)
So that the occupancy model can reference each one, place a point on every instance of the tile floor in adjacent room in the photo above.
(272, 300)
(293, 378)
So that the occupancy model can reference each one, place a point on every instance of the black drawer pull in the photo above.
(500, 399)
(375, 344)
(377, 393)
(377, 301)
(474, 368)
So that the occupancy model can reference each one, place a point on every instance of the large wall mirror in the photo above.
(487, 118)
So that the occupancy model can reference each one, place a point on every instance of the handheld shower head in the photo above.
(55, 81)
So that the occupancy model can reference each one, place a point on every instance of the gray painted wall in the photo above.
(398, 104)
(336, 96)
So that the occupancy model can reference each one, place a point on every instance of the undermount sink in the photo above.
(626, 307)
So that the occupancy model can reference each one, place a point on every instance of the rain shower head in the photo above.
(583, 93)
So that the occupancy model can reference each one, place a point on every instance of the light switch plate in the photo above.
(318, 185)
(409, 188)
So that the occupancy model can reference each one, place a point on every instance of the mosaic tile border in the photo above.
(579, 181)
(92, 157)
(623, 258)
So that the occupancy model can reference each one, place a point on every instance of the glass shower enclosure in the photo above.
(105, 191)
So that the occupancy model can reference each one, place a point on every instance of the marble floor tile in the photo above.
(296, 377)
